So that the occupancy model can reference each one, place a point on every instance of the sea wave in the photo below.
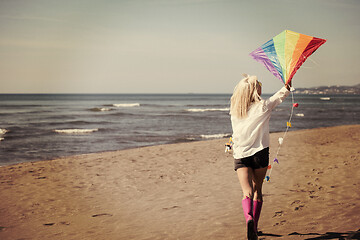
(205, 105)
(3, 131)
(206, 109)
(78, 122)
(325, 98)
(299, 114)
(121, 114)
(190, 139)
(220, 135)
(126, 105)
(76, 131)
(100, 109)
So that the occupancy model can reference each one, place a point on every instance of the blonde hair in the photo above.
(245, 93)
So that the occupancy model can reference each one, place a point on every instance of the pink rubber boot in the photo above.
(247, 205)
(256, 212)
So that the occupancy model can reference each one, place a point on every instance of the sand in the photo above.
(186, 191)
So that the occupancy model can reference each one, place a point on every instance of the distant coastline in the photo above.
(352, 90)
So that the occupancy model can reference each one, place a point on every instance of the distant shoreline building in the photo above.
(353, 90)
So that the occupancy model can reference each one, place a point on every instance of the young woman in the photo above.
(250, 116)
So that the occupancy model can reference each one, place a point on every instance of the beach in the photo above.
(187, 191)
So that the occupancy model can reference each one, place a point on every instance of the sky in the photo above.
(168, 46)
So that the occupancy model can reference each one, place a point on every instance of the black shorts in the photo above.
(258, 160)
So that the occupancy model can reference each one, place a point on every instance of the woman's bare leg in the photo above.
(246, 176)
(258, 179)
(259, 175)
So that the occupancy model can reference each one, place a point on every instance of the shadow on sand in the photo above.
(260, 233)
(330, 235)
(318, 236)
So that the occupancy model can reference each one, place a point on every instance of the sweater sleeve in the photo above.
(277, 98)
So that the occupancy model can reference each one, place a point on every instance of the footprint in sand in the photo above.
(299, 207)
(49, 224)
(101, 214)
(295, 202)
(171, 207)
(280, 223)
(278, 214)
(313, 196)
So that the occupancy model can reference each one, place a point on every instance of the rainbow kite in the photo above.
(285, 53)
(283, 56)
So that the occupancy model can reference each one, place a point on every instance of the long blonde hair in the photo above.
(245, 93)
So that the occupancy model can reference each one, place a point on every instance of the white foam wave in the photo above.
(191, 138)
(3, 131)
(220, 135)
(76, 131)
(100, 109)
(299, 114)
(207, 109)
(325, 98)
(127, 105)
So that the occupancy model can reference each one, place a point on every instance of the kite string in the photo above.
(287, 129)
(313, 61)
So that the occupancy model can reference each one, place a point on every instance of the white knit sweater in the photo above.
(251, 134)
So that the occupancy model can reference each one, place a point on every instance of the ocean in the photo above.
(36, 127)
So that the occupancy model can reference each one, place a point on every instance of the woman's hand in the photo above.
(288, 86)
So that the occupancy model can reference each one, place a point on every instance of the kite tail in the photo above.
(288, 125)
